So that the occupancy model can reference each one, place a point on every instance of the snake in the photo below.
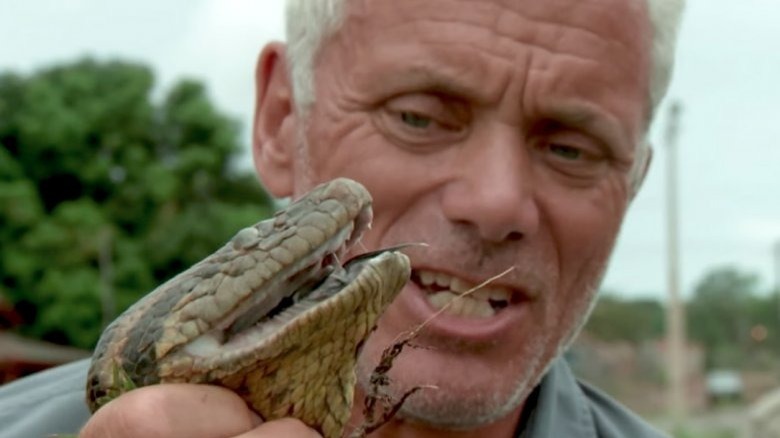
(273, 315)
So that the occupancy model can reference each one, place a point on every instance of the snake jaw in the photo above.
(293, 283)
(206, 324)
(246, 334)
(268, 309)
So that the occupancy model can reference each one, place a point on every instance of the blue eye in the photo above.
(567, 152)
(415, 120)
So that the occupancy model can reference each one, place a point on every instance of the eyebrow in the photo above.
(586, 117)
(439, 79)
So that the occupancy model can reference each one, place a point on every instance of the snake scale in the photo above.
(272, 315)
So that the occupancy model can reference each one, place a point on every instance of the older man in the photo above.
(502, 133)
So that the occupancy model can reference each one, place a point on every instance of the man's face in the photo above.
(502, 135)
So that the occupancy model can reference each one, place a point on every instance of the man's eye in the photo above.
(415, 120)
(566, 152)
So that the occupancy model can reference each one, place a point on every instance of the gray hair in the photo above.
(309, 22)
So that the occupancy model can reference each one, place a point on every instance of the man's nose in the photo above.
(493, 190)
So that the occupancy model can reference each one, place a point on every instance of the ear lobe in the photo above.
(273, 132)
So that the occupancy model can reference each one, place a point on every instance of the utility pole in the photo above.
(777, 265)
(777, 280)
(675, 312)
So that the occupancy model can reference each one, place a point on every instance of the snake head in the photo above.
(271, 315)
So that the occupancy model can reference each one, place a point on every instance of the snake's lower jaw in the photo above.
(306, 370)
(254, 317)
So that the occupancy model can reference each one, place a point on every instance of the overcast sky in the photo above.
(727, 80)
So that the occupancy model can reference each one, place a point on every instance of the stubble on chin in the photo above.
(455, 405)
(458, 404)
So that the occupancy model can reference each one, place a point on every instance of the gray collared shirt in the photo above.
(52, 402)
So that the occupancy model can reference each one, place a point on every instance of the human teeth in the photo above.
(477, 302)
(500, 294)
(427, 278)
(459, 286)
(460, 305)
(457, 307)
(492, 293)
(440, 299)
(484, 310)
(443, 280)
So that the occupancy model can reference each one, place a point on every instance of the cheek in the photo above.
(584, 226)
(350, 146)
(584, 231)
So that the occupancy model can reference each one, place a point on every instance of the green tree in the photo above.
(620, 319)
(764, 340)
(105, 193)
(719, 315)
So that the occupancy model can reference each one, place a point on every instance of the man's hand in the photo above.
(186, 411)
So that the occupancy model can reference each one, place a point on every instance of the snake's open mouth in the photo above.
(300, 286)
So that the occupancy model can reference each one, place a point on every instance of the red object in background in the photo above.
(20, 356)
(8, 316)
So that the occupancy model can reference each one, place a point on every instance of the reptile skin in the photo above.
(271, 315)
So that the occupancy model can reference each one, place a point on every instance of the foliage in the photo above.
(732, 320)
(737, 324)
(632, 320)
(105, 193)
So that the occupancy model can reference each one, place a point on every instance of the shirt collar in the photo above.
(557, 408)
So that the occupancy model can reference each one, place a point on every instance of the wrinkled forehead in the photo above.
(555, 25)
(613, 33)
(578, 12)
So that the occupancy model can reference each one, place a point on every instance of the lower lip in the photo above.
(464, 328)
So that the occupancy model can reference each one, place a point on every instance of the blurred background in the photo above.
(124, 158)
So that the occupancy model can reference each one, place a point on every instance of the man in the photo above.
(502, 133)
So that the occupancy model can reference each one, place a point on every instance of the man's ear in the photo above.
(644, 158)
(274, 127)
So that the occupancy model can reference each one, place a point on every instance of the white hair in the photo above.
(665, 17)
(309, 22)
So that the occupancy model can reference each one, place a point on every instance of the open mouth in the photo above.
(444, 291)
(296, 289)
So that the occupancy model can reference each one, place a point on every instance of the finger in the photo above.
(284, 428)
(172, 411)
